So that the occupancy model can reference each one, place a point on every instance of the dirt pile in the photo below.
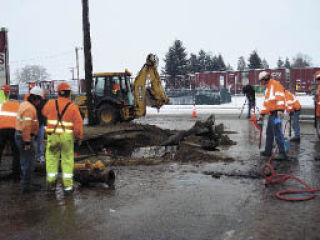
(115, 145)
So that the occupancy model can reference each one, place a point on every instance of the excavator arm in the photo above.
(155, 96)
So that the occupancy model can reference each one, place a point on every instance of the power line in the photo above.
(19, 62)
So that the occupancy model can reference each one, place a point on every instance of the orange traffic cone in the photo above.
(194, 112)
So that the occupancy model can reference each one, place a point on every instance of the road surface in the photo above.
(177, 201)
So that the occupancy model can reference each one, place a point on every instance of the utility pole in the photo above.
(72, 72)
(77, 66)
(87, 59)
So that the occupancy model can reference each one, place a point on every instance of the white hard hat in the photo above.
(37, 91)
(263, 74)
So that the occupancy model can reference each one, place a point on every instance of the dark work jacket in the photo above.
(249, 92)
(42, 119)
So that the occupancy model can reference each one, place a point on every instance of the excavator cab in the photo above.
(113, 97)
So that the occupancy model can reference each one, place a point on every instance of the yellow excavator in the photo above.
(115, 99)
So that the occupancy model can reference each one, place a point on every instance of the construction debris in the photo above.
(124, 143)
(88, 172)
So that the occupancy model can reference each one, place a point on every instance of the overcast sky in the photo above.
(123, 32)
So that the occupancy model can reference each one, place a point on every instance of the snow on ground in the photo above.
(229, 108)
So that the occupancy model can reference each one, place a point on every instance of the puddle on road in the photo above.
(153, 151)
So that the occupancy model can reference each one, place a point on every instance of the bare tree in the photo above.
(264, 64)
(31, 73)
(301, 60)
(280, 63)
(241, 64)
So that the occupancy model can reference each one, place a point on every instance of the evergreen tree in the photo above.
(208, 63)
(280, 63)
(241, 64)
(265, 64)
(202, 60)
(176, 59)
(215, 64)
(220, 63)
(193, 64)
(254, 61)
(287, 63)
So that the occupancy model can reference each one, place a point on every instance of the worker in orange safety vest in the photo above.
(8, 113)
(4, 93)
(64, 125)
(293, 107)
(26, 132)
(274, 106)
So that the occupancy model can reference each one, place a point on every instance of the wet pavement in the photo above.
(177, 201)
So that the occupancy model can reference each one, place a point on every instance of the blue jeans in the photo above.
(40, 141)
(274, 130)
(27, 159)
(295, 124)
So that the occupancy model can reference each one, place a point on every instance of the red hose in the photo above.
(280, 178)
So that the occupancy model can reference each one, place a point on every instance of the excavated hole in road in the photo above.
(143, 146)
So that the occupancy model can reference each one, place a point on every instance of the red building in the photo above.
(302, 79)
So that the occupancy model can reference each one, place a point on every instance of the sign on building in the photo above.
(4, 75)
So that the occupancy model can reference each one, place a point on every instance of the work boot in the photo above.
(68, 190)
(51, 187)
(295, 139)
(265, 154)
(280, 156)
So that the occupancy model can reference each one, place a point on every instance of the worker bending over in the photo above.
(8, 114)
(64, 124)
(250, 93)
(274, 106)
(293, 107)
(26, 132)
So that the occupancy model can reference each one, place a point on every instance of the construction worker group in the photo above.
(277, 101)
(19, 124)
(22, 125)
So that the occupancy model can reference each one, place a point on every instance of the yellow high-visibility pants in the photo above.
(60, 147)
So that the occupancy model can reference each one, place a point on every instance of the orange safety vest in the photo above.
(63, 117)
(292, 104)
(25, 98)
(8, 114)
(274, 98)
(27, 121)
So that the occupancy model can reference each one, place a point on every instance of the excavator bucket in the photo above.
(152, 102)
(155, 96)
